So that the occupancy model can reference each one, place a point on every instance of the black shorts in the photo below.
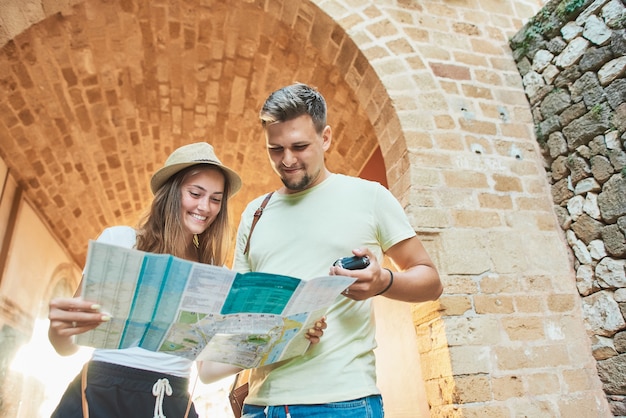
(119, 391)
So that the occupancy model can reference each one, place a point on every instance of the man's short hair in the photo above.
(293, 101)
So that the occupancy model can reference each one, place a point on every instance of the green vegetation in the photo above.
(534, 32)
(541, 139)
(596, 111)
(544, 22)
(565, 8)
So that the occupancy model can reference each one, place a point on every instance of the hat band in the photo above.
(210, 161)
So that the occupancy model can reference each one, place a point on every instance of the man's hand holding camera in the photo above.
(372, 279)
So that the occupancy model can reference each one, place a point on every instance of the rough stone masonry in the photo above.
(572, 57)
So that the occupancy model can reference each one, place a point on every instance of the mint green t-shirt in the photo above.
(301, 235)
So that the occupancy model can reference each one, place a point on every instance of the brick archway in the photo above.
(97, 96)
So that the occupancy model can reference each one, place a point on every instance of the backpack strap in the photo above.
(257, 216)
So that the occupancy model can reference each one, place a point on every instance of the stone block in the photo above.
(578, 380)
(446, 411)
(612, 372)
(493, 304)
(510, 358)
(435, 364)
(541, 383)
(495, 283)
(590, 404)
(476, 219)
(457, 257)
(480, 330)
(461, 179)
(495, 201)
(481, 410)
(473, 388)
(529, 304)
(460, 285)
(507, 387)
(533, 407)
(602, 314)
(550, 257)
(526, 328)
(422, 217)
(538, 203)
(470, 360)
(507, 184)
(478, 127)
(562, 302)
(455, 305)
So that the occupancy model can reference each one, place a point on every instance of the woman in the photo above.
(188, 219)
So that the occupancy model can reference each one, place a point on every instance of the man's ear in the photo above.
(327, 137)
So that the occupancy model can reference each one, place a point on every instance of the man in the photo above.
(314, 219)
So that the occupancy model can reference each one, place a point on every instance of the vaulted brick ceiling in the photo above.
(93, 100)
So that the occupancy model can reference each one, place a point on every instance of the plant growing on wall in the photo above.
(551, 18)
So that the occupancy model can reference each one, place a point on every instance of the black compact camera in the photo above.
(353, 263)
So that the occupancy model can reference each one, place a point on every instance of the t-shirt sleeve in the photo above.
(123, 236)
(393, 223)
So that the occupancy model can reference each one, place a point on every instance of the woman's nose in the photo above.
(203, 204)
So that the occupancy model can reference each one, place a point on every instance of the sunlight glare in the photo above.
(39, 361)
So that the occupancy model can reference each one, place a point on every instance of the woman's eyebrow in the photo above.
(197, 186)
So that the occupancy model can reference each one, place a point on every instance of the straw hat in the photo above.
(188, 155)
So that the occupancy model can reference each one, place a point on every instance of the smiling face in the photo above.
(201, 200)
(296, 151)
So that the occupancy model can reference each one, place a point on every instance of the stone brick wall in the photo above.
(572, 57)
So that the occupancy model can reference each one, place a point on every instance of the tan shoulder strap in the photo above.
(83, 387)
(257, 215)
(193, 389)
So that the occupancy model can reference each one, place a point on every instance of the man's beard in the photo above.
(297, 186)
(302, 184)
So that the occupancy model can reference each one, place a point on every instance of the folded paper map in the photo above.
(201, 312)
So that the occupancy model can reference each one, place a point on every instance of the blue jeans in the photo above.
(368, 407)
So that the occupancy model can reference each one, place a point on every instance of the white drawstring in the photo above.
(160, 389)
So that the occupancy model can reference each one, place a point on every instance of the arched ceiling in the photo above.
(93, 100)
